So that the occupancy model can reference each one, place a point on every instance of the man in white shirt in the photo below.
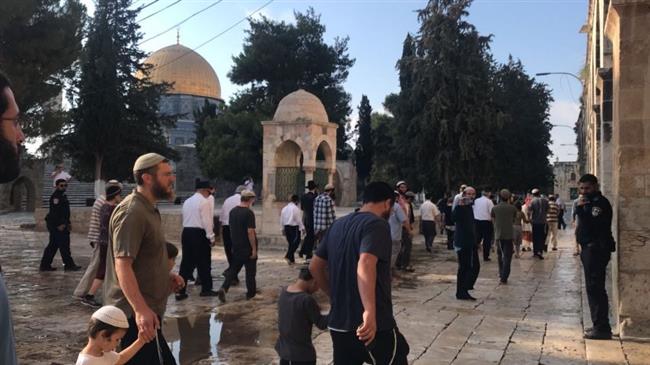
(291, 222)
(59, 174)
(483, 218)
(197, 239)
(429, 216)
(228, 205)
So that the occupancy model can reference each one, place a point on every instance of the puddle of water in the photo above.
(198, 337)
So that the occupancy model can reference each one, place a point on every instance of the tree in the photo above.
(279, 58)
(384, 166)
(231, 147)
(39, 42)
(115, 105)
(364, 149)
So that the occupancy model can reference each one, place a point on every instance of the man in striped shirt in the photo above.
(93, 237)
(552, 215)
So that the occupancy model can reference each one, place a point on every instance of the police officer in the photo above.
(594, 234)
(58, 224)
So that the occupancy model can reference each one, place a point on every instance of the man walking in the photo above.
(352, 266)
(504, 215)
(484, 227)
(403, 261)
(244, 246)
(138, 280)
(307, 206)
(552, 216)
(88, 277)
(465, 245)
(429, 218)
(324, 214)
(11, 140)
(228, 205)
(538, 210)
(594, 234)
(58, 224)
(197, 239)
(291, 223)
(398, 223)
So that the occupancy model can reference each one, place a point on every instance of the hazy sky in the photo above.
(544, 34)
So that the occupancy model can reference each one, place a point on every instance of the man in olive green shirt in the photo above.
(138, 280)
(503, 216)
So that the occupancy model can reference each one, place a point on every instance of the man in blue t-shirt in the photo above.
(352, 266)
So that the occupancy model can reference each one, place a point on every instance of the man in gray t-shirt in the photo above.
(538, 210)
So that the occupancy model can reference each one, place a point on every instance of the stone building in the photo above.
(193, 82)
(614, 144)
(566, 178)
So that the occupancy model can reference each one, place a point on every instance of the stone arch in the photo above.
(289, 174)
(23, 195)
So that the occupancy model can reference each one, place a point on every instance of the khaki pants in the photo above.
(89, 275)
(552, 234)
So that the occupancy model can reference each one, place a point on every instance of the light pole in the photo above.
(562, 125)
(559, 73)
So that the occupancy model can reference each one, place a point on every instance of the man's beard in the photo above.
(160, 192)
(9, 161)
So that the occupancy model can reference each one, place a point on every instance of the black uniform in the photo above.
(594, 234)
(59, 215)
(307, 206)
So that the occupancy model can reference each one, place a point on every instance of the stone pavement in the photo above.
(537, 318)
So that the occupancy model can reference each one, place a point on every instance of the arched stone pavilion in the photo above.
(299, 145)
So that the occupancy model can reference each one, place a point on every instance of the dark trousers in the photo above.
(404, 256)
(227, 245)
(289, 362)
(292, 233)
(594, 262)
(450, 239)
(148, 354)
(504, 254)
(388, 347)
(464, 274)
(233, 271)
(484, 234)
(539, 237)
(429, 232)
(197, 254)
(307, 248)
(475, 268)
(561, 224)
(59, 241)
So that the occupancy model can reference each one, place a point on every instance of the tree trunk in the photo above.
(99, 183)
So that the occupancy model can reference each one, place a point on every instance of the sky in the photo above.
(543, 34)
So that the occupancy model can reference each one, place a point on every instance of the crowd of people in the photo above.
(352, 259)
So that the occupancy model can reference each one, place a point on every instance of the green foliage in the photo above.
(279, 58)
(115, 105)
(39, 42)
(232, 146)
(364, 151)
(456, 118)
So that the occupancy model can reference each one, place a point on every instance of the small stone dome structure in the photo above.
(301, 106)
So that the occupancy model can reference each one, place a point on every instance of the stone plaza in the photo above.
(538, 318)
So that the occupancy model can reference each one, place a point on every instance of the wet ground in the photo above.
(537, 318)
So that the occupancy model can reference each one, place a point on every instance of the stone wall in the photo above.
(24, 193)
(627, 28)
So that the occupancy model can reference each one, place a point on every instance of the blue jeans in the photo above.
(7, 342)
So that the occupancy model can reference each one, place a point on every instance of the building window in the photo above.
(573, 176)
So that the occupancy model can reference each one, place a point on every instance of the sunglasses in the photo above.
(63, 185)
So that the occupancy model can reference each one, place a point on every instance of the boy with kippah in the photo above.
(297, 313)
(107, 327)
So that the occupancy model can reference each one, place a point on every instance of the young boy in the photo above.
(172, 253)
(107, 327)
(297, 312)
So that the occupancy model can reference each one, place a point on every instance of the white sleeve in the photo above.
(207, 222)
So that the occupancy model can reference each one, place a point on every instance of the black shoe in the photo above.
(598, 335)
(234, 282)
(221, 294)
(181, 296)
(197, 282)
(47, 268)
(428, 249)
(504, 282)
(465, 297)
(487, 259)
(71, 268)
(554, 248)
(90, 301)
(209, 293)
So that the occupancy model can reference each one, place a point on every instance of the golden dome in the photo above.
(190, 73)
(301, 106)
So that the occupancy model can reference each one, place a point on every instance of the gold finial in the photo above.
(178, 36)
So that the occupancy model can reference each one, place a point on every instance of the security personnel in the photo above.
(58, 224)
(594, 234)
